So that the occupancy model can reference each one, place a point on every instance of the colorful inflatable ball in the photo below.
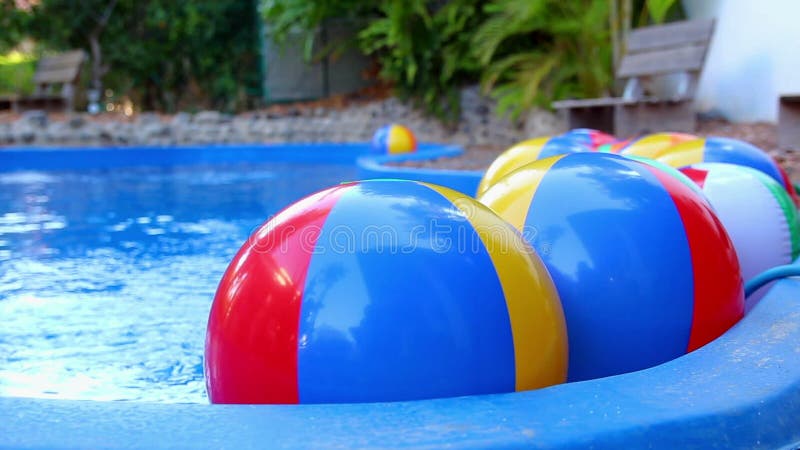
(758, 214)
(526, 152)
(589, 137)
(614, 147)
(383, 290)
(393, 139)
(677, 174)
(644, 269)
(727, 150)
(651, 145)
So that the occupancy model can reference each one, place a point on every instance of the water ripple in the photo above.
(107, 277)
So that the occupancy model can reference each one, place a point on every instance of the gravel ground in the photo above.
(479, 157)
(762, 135)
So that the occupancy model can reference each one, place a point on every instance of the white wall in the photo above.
(754, 57)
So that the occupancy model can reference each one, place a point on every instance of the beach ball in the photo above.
(393, 139)
(652, 145)
(383, 290)
(614, 146)
(727, 150)
(644, 269)
(757, 212)
(675, 173)
(590, 137)
(526, 152)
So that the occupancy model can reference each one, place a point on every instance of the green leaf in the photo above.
(658, 9)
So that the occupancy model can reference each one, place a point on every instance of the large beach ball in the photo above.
(758, 214)
(383, 290)
(644, 268)
(393, 139)
(727, 150)
(589, 137)
(526, 152)
(651, 145)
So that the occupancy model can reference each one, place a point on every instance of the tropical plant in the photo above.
(657, 11)
(13, 25)
(649, 12)
(424, 48)
(538, 50)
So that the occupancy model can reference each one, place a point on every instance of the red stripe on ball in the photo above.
(717, 275)
(239, 368)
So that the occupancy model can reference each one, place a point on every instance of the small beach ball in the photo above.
(758, 214)
(590, 137)
(526, 152)
(644, 268)
(651, 145)
(727, 150)
(383, 290)
(393, 139)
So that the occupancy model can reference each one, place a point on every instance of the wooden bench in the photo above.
(55, 80)
(677, 49)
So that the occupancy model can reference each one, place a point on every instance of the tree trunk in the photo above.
(97, 62)
(98, 69)
(627, 6)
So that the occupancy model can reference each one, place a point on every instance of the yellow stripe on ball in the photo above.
(514, 208)
(534, 309)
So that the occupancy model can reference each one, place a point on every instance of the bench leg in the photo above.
(642, 118)
(68, 94)
(789, 123)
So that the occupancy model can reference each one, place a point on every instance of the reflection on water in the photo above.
(107, 276)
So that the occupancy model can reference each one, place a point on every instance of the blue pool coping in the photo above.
(741, 390)
(465, 181)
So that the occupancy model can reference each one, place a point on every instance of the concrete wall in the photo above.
(289, 77)
(754, 57)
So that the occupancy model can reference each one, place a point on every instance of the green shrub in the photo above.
(16, 73)
(426, 51)
(164, 54)
(13, 25)
(535, 51)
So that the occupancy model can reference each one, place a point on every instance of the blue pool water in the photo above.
(107, 276)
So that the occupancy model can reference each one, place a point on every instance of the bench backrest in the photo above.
(676, 47)
(60, 68)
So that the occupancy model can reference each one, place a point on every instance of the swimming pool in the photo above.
(741, 390)
(146, 246)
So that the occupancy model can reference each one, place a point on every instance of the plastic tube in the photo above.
(775, 273)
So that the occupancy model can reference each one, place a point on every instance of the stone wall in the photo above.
(480, 125)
